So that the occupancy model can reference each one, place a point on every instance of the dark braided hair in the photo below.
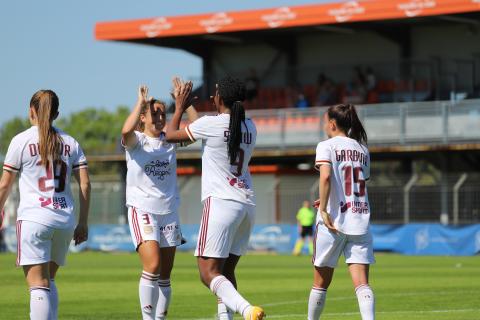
(347, 120)
(232, 92)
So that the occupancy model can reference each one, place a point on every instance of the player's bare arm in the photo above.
(324, 193)
(183, 98)
(81, 231)
(128, 134)
(6, 183)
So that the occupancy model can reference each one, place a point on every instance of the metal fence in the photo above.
(428, 123)
(454, 199)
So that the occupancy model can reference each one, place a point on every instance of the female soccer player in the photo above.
(45, 157)
(343, 210)
(152, 201)
(228, 140)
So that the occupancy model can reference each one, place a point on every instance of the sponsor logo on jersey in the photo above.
(156, 27)
(346, 11)
(279, 17)
(239, 183)
(216, 22)
(416, 7)
(159, 169)
(148, 229)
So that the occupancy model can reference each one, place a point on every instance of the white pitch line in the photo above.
(334, 314)
(353, 297)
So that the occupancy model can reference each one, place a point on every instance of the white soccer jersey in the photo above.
(348, 203)
(219, 178)
(45, 195)
(152, 175)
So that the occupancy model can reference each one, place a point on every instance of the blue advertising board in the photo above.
(410, 239)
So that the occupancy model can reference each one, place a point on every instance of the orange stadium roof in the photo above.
(281, 17)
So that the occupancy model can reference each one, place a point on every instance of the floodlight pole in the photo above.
(406, 197)
(456, 189)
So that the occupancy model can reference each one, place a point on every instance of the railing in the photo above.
(428, 123)
(452, 199)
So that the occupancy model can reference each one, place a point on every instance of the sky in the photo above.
(50, 44)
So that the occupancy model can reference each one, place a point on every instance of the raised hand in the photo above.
(143, 95)
(182, 92)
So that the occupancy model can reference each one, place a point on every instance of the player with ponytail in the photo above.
(343, 210)
(45, 158)
(228, 140)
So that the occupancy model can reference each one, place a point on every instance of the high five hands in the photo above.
(182, 93)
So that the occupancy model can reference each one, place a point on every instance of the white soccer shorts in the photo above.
(328, 247)
(37, 243)
(225, 228)
(163, 228)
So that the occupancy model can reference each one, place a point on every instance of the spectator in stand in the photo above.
(252, 83)
(371, 79)
(302, 102)
(324, 91)
(356, 90)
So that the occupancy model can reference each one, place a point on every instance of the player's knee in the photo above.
(152, 266)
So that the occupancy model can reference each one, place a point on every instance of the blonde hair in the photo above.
(45, 103)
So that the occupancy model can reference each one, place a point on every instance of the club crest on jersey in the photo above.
(148, 229)
(159, 169)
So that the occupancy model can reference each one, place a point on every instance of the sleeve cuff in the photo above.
(80, 166)
(189, 133)
(10, 168)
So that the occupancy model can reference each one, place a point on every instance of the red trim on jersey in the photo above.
(80, 165)
(19, 236)
(204, 227)
(323, 161)
(136, 227)
(9, 167)
(189, 133)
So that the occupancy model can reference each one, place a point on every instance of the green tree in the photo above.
(97, 130)
(9, 130)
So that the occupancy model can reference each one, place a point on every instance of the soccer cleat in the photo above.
(255, 313)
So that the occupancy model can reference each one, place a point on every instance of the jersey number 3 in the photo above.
(58, 173)
(356, 179)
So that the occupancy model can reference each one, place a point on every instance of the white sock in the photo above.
(53, 300)
(366, 301)
(316, 302)
(223, 312)
(164, 296)
(148, 292)
(225, 290)
(39, 303)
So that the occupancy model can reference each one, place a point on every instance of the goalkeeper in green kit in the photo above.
(305, 220)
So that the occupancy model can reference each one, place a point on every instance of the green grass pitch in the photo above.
(104, 286)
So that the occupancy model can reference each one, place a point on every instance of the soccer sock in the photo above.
(225, 290)
(39, 303)
(316, 302)
(164, 296)
(298, 247)
(53, 300)
(148, 293)
(310, 247)
(366, 301)
(223, 312)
